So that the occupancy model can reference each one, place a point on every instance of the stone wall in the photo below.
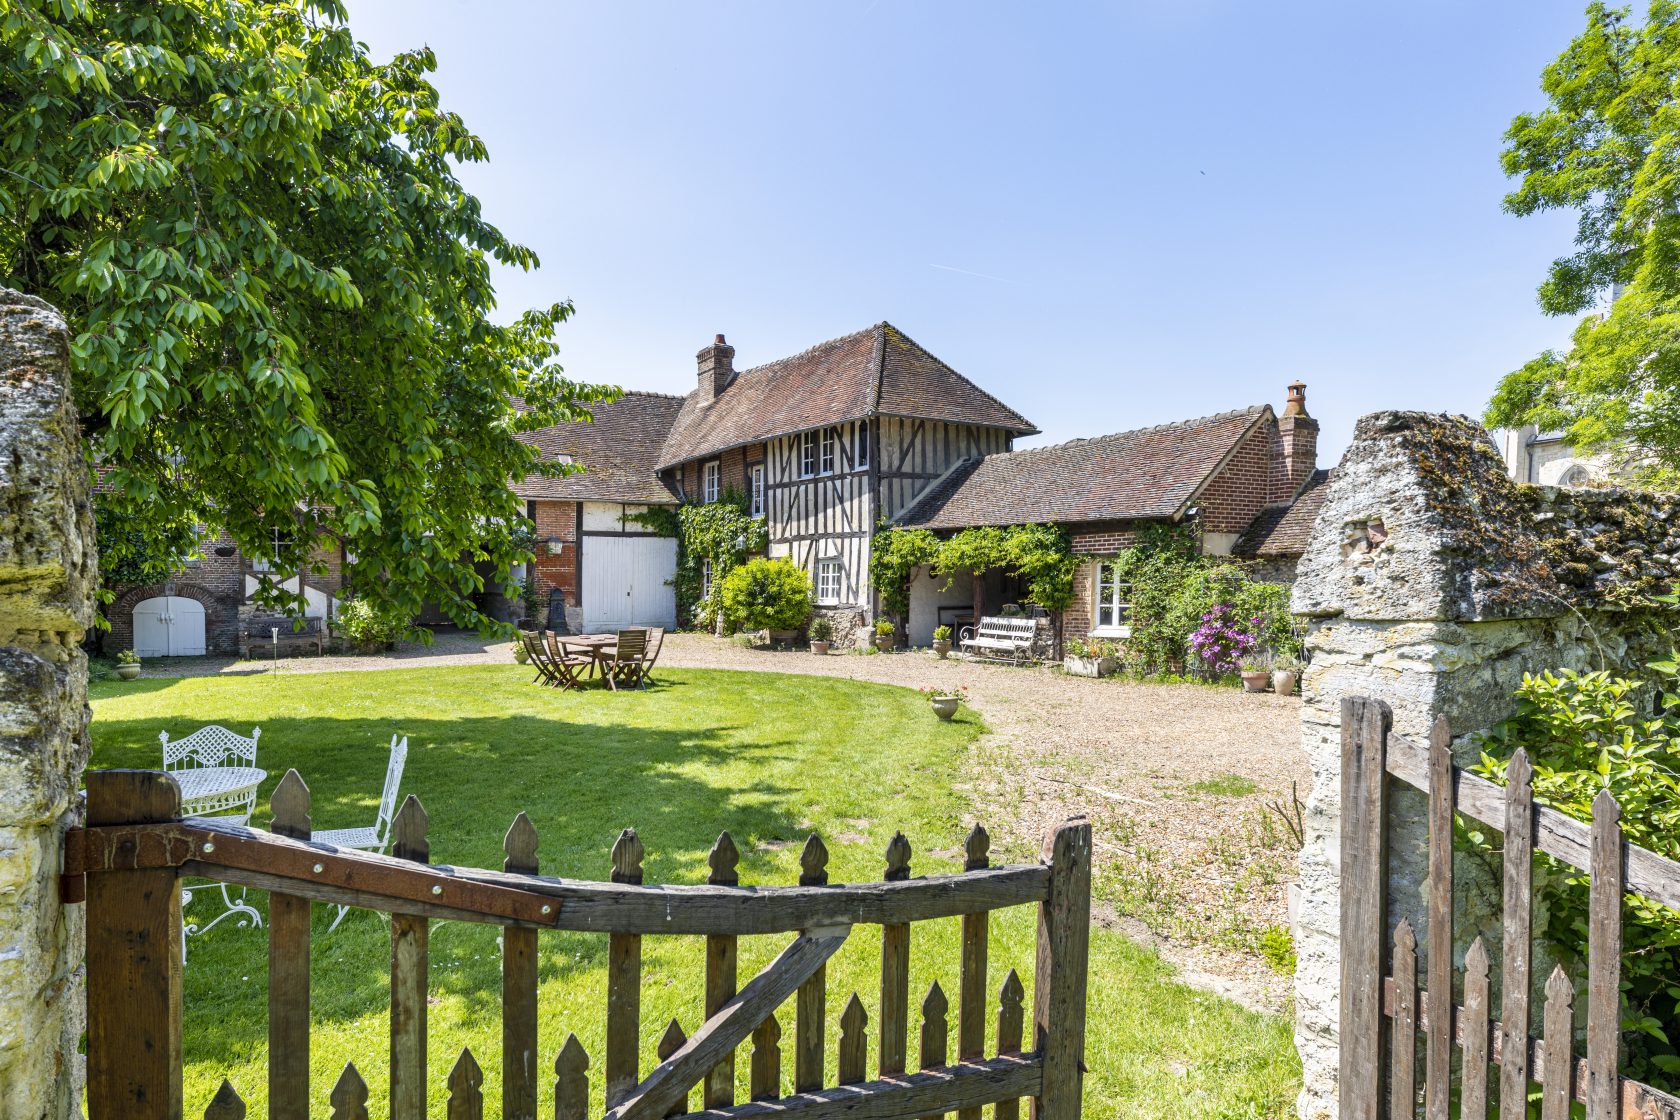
(1433, 582)
(47, 578)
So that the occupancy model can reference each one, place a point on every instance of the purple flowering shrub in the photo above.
(1222, 640)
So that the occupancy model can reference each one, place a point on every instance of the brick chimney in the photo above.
(717, 366)
(1298, 433)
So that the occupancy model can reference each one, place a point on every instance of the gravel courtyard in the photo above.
(1183, 784)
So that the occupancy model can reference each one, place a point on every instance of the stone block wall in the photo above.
(48, 573)
(1433, 582)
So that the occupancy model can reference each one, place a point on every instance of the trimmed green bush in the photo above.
(766, 595)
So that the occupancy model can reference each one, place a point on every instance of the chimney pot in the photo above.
(1296, 405)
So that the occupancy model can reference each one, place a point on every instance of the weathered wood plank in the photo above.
(1604, 959)
(1365, 735)
(227, 1104)
(288, 968)
(1564, 838)
(895, 970)
(854, 1042)
(571, 1081)
(971, 998)
(519, 986)
(811, 1004)
(1518, 918)
(466, 1098)
(669, 1043)
(1473, 1082)
(1402, 1050)
(936, 1034)
(1009, 1016)
(349, 1095)
(409, 941)
(1556, 1088)
(967, 1085)
(670, 1081)
(1437, 1076)
(133, 961)
(766, 1071)
(721, 970)
(1064, 930)
(624, 981)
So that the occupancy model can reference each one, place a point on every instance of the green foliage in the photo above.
(723, 532)
(821, 629)
(127, 657)
(894, 555)
(277, 288)
(1043, 556)
(766, 595)
(369, 622)
(1277, 945)
(884, 628)
(941, 633)
(532, 601)
(1584, 733)
(1604, 148)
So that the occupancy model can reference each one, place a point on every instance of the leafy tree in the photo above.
(1605, 147)
(766, 594)
(278, 290)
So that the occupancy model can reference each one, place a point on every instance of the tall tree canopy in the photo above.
(1607, 146)
(279, 291)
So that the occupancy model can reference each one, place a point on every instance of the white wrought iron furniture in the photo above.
(1000, 637)
(217, 772)
(378, 837)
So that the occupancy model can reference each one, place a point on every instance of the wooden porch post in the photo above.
(1064, 931)
(133, 961)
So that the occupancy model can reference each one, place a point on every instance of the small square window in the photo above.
(829, 578)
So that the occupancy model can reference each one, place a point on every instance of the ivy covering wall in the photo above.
(723, 532)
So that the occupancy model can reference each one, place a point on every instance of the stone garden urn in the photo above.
(942, 647)
(130, 671)
(945, 706)
(1283, 681)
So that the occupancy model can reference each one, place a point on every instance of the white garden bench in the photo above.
(1000, 637)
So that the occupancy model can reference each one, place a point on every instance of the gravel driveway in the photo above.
(1179, 781)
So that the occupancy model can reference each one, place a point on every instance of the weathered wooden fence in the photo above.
(1375, 997)
(126, 862)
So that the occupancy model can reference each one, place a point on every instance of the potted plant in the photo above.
(1095, 658)
(1286, 673)
(128, 665)
(946, 702)
(1256, 673)
(884, 636)
(520, 653)
(942, 641)
(822, 633)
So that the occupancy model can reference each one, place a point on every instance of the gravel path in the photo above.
(1178, 781)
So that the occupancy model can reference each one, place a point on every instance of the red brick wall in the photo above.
(1103, 538)
(734, 463)
(1238, 493)
(558, 519)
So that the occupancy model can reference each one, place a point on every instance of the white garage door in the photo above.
(169, 626)
(627, 582)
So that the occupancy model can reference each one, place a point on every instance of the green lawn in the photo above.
(769, 757)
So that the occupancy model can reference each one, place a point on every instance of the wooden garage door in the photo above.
(627, 582)
(169, 626)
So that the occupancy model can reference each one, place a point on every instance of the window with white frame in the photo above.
(757, 477)
(705, 578)
(829, 576)
(1113, 601)
(807, 454)
(711, 481)
(830, 448)
(860, 446)
(266, 563)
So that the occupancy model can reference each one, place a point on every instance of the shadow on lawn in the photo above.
(473, 775)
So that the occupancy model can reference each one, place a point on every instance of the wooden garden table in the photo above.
(595, 645)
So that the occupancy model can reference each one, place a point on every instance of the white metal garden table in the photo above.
(207, 790)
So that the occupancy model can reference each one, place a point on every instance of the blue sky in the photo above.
(1109, 215)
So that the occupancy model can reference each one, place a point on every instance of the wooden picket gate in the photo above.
(1372, 996)
(125, 865)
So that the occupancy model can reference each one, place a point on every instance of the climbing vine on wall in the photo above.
(723, 532)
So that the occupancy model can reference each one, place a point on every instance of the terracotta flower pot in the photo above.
(944, 706)
(1256, 682)
(128, 672)
(820, 648)
(942, 647)
(1283, 681)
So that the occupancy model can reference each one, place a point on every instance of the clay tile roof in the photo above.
(1149, 473)
(1285, 530)
(618, 450)
(879, 371)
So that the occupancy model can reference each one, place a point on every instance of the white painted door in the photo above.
(169, 626)
(627, 582)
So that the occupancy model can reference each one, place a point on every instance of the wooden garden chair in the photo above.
(537, 656)
(566, 668)
(656, 642)
(627, 664)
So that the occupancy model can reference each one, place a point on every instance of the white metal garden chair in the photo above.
(217, 773)
(378, 837)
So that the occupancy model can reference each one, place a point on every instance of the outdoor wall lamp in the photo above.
(555, 545)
